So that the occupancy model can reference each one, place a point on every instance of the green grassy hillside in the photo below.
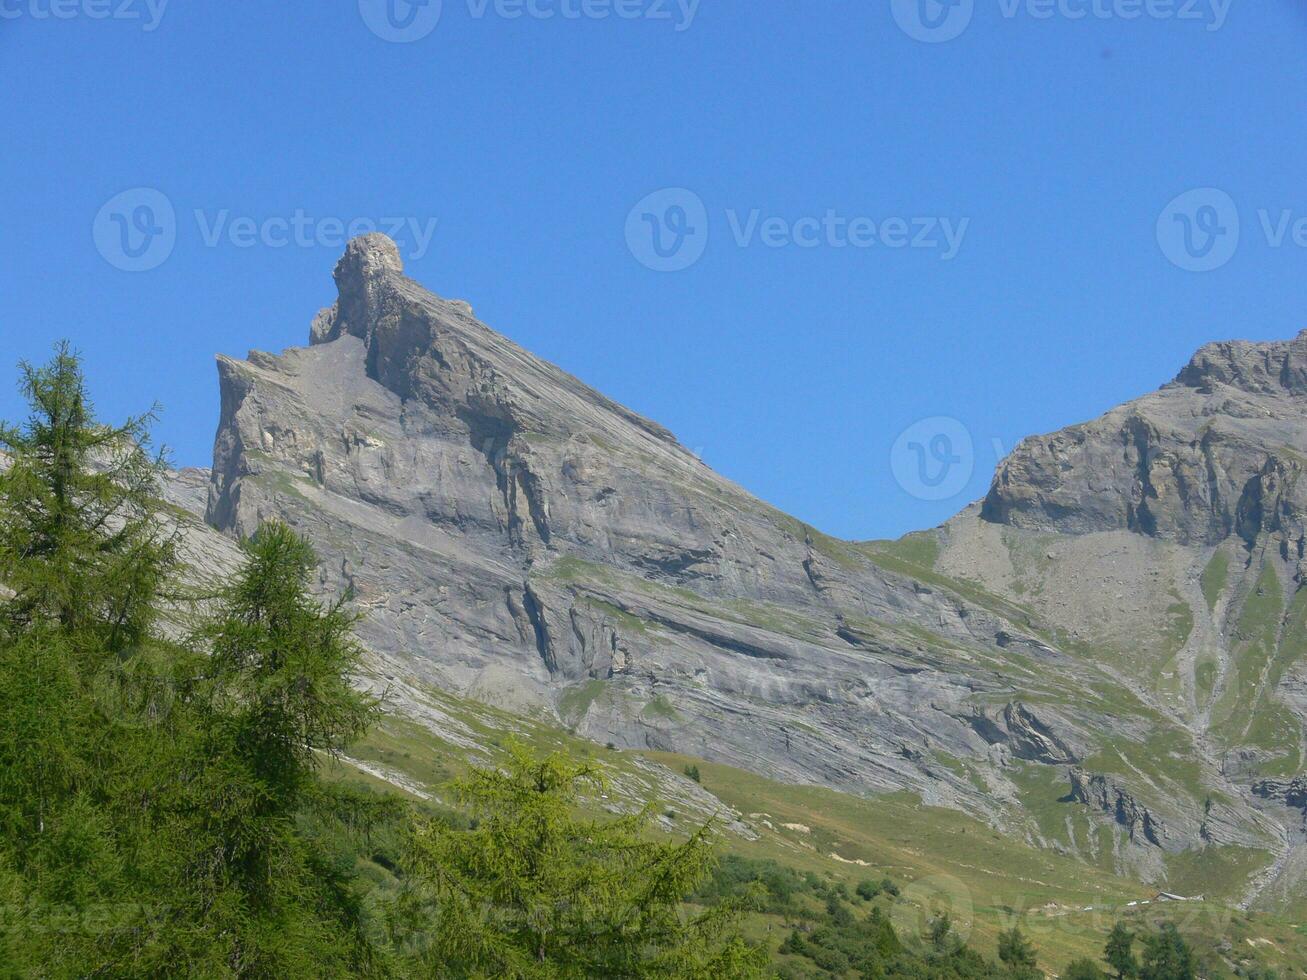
(939, 859)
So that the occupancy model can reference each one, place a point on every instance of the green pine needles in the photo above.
(155, 794)
(533, 890)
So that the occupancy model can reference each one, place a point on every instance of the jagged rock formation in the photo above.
(1106, 795)
(1216, 452)
(515, 536)
(1166, 539)
(1290, 792)
(1025, 734)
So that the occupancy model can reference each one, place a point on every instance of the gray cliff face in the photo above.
(1103, 794)
(1216, 452)
(1167, 540)
(514, 536)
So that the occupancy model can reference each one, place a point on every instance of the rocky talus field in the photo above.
(1101, 666)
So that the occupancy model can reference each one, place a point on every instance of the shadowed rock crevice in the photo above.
(539, 628)
(1025, 734)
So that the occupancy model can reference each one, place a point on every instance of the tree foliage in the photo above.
(81, 543)
(1017, 954)
(1165, 954)
(1119, 952)
(533, 890)
(1083, 969)
(154, 794)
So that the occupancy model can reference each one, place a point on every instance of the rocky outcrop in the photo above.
(1025, 734)
(1216, 452)
(1275, 367)
(1287, 792)
(1106, 795)
(513, 534)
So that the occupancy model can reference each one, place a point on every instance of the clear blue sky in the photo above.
(1059, 140)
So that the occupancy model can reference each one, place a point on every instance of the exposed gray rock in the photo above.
(1025, 734)
(1218, 451)
(515, 536)
(1288, 792)
(1104, 794)
(493, 512)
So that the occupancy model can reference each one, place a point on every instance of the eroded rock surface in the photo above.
(1219, 451)
(515, 536)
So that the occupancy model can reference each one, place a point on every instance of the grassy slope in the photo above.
(941, 858)
(1158, 762)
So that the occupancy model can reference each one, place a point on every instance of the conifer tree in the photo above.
(1016, 953)
(276, 700)
(533, 890)
(1166, 956)
(1119, 952)
(81, 542)
(194, 837)
(83, 555)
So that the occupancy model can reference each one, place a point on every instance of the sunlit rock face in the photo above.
(511, 534)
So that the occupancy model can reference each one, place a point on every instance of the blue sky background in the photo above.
(792, 369)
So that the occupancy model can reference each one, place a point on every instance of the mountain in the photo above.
(1103, 658)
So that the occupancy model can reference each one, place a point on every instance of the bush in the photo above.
(868, 889)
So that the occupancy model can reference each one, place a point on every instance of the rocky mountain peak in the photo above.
(359, 274)
(368, 255)
(512, 535)
(1195, 462)
(1269, 367)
